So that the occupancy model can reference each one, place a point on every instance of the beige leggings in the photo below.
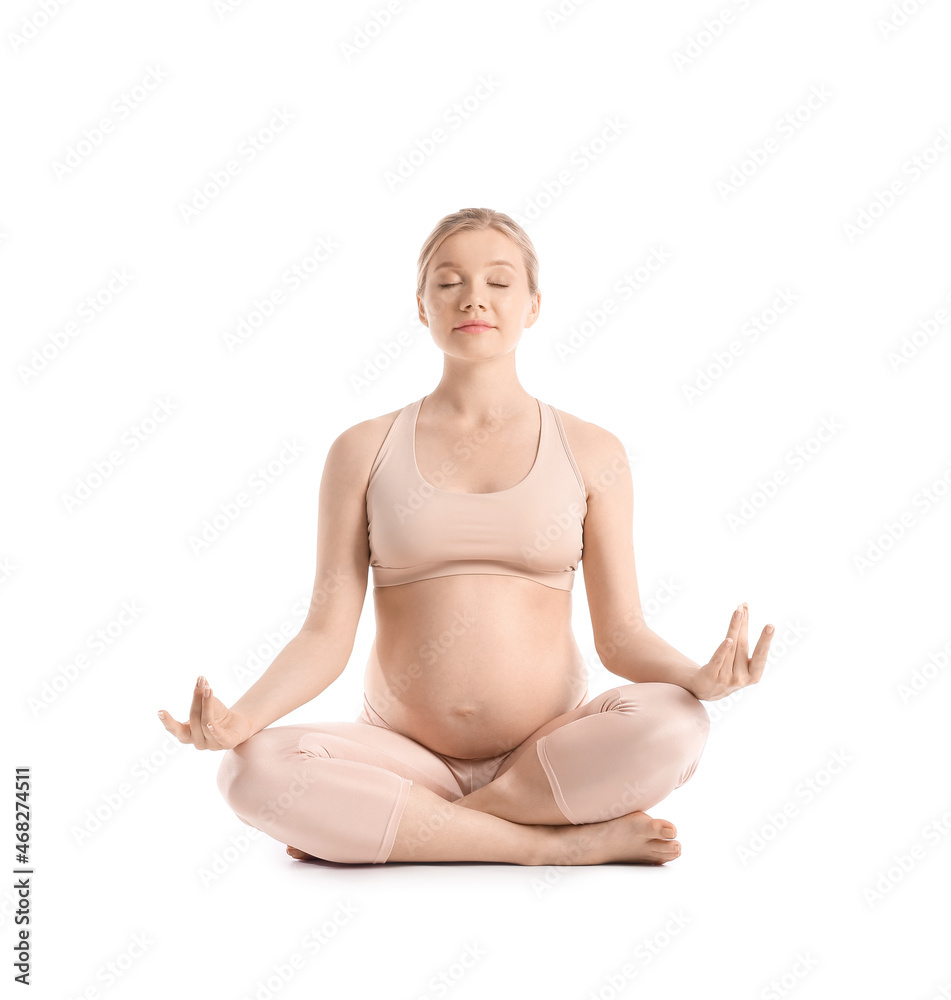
(337, 790)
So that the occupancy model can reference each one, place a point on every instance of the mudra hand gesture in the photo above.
(211, 724)
(729, 668)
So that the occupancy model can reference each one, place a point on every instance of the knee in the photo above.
(230, 777)
(669, 708)
(691, 708)
(249, 772)
(236, 775)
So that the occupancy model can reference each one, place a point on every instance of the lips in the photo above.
(475, 326)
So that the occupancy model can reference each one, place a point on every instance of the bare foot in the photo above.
(633, 837)
(299, 855)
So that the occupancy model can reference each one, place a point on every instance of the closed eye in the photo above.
(494, 283)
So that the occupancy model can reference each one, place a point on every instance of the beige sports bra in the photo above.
(418, 531)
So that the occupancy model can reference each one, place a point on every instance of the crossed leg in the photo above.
(579, 767)
(623, 751)
(576, 789)
(573, 793)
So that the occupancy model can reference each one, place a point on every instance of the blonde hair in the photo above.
(477, 220)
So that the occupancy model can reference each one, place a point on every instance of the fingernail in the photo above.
(161, 715)
(769, 629)
(198, 682)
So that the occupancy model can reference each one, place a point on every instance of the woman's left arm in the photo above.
(626, 645)
(644, 656)
(647, 657)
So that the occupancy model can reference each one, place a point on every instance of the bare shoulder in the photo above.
(353, 451)
(596, 449)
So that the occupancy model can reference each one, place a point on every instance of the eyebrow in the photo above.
(456, 267)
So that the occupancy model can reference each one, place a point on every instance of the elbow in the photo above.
(621, 644)
(604, 652)
(614, 660)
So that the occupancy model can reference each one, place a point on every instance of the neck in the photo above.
(474, 388)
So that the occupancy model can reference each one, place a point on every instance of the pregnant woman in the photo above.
(472, 506)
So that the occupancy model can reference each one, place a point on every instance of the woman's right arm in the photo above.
(317, 655)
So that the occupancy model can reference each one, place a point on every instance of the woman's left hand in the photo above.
(729, 668)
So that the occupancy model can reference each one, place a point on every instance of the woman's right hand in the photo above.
(211, 724)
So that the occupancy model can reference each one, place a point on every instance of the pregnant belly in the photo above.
(491, 719)
(473, 708)
(478, 683)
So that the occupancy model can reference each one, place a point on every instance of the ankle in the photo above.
(557, 845)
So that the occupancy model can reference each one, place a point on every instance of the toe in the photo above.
(666, 849)
(663, 828)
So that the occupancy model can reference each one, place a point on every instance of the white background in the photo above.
(821, 899)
